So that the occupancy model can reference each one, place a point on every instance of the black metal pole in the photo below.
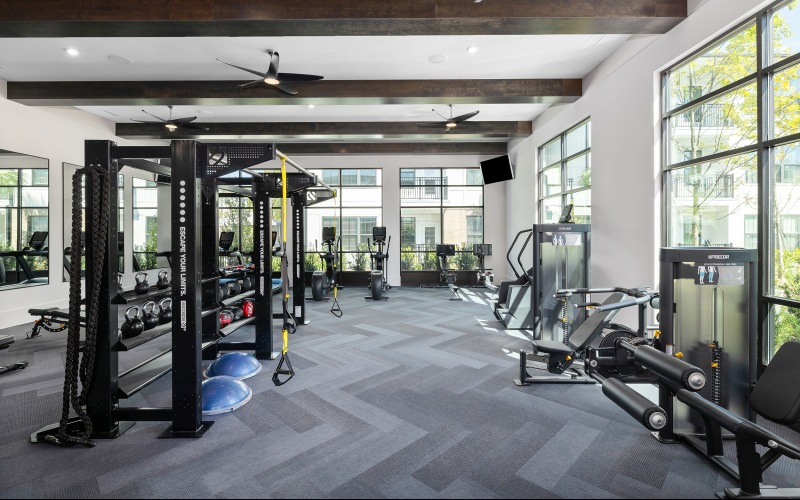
(188, 166)
(262, 278)
(299, 257)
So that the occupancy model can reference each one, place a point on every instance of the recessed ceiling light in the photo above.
(437, 58)
(478, 1)
(72, 51)
(472, 49)
(118, 59)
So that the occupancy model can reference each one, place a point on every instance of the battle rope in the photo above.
(83, 371)
(285, 292)
(336, 309)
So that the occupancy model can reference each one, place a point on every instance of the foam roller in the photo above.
(639, 407)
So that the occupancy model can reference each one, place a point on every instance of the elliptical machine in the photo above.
(323, 282)
(378, 284)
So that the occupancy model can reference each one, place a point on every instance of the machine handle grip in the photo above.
(639, 407)
(625, 303)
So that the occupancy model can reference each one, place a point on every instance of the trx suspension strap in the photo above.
(76, 368)
(285, 292)
(336, 310)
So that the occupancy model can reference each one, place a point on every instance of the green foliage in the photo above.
(787, 326)
(146, 254)
(360, 261)
(409, 260)
(429, 262)
(464, 258)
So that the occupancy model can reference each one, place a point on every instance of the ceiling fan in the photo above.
(171, 124)
(448, 123)
(272, 79)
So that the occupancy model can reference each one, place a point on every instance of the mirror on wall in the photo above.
(150, 209)
(69, 171)
(24, 220)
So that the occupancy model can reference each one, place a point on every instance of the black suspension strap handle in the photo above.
(280, 370)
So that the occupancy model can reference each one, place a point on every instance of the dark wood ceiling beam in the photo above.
(548, 91)
(394, 148)
(154, 18)
(470, 130)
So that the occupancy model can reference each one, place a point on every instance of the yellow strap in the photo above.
(283, 212)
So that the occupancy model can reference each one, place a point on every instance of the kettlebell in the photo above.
(225, 318)
(142, 287)
(163, 281)
(247, 284)
(165, 316)
(234, 288)
(133, 325)
(150, 318)
(237, 313)
(248, 309)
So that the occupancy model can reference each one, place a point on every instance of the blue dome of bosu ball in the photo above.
(224, 394)
(234, 364)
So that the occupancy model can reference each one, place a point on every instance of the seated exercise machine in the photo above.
(322, 282)
(555, 359)
(378, 282)
(5, 343)
(36, 248)
(485, 276)
(447, 278)
(774, 397)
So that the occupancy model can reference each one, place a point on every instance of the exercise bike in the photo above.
(322, 282)
(378, 283)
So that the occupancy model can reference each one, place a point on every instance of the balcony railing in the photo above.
(707, 115)
(423, 188)
(710, 186)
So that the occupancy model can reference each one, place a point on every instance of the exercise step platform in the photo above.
(139, 377)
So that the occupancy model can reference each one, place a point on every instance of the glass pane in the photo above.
(8, 197)
(462, 196)
(223, 201)
(229, 220)
(33, 220)
(786, 221)
(582, 209)
(579, 172)
(361, 177)
(709, 202)
(785, 26)
(361, 197)
(730, 60)
(330, 177)
(9, 177)
(40, 177)
(8, 230)
(550, 181)
(786, 87)
(550, 153)
(722, 124)
(137, 182)
(356, 261)
(145, 237)
(463, 227)
(412, 177)
(145, 197)
(462, 177)
(420, 229)
(421, 191)
(786, 327)
(34, 197)
(550, 210)
(577, 139)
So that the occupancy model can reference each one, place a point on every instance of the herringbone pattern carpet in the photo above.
(407, 398)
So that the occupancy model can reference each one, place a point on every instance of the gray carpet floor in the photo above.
(408, 398)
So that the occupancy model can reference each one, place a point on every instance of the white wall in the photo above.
(622, 98)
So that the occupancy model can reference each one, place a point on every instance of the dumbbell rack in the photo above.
(195, 170)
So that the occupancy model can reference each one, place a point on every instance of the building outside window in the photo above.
(357, 209)
(565, 175)
(720, 189)
(145, 224)
(439, 206)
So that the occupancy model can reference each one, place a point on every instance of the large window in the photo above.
(356, 210)
(235, 213)
(145, 224)
(23, 210)
(439, 206)
(565, 175)
(732, 155)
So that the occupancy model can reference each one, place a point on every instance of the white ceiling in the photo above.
(336, 58)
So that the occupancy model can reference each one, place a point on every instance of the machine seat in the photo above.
(552, 347)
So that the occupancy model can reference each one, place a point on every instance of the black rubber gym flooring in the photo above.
(407, 398)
